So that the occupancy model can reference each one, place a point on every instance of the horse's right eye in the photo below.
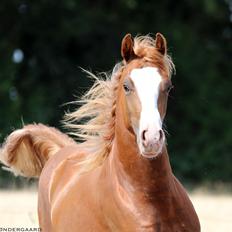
(126, 88)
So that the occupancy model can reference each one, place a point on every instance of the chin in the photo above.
(151, 155)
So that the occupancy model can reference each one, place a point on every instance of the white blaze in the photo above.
(147, 81)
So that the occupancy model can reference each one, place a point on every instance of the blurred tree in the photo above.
(43, 43)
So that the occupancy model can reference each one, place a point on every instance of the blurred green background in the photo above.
(43, 44)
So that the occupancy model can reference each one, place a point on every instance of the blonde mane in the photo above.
(94, 121)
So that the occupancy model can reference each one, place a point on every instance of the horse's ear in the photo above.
(127, 50)
(161, 44)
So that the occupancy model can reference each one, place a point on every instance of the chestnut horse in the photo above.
(119, 178)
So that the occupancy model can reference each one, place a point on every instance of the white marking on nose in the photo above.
(147, 81)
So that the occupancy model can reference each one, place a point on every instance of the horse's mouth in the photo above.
(153, 154)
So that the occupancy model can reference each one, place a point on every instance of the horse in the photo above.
(118, 176)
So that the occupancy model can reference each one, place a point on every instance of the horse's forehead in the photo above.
(143, 67)
(146, 77)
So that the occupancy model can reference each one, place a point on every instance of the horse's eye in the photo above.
(126, 88)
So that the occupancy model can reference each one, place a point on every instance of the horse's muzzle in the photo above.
(152, 143)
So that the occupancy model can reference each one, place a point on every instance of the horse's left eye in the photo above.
(126, 88)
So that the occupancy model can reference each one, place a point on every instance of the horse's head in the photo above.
(145, 84)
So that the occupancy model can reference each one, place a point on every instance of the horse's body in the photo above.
(113, 197)
(124, 191)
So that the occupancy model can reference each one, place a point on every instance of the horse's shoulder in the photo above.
(59, 169)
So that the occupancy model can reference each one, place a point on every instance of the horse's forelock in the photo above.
(145, 48)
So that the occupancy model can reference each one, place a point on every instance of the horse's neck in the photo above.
(144, 175)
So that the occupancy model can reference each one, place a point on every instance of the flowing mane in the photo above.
(94, 121)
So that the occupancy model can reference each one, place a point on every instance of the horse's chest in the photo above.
(146, 218)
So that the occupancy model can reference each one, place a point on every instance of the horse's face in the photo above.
(146, 93)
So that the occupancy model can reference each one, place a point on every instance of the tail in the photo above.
(26, 150)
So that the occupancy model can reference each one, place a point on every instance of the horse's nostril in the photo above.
(157, 137)
(143, 135)
(160, 135)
